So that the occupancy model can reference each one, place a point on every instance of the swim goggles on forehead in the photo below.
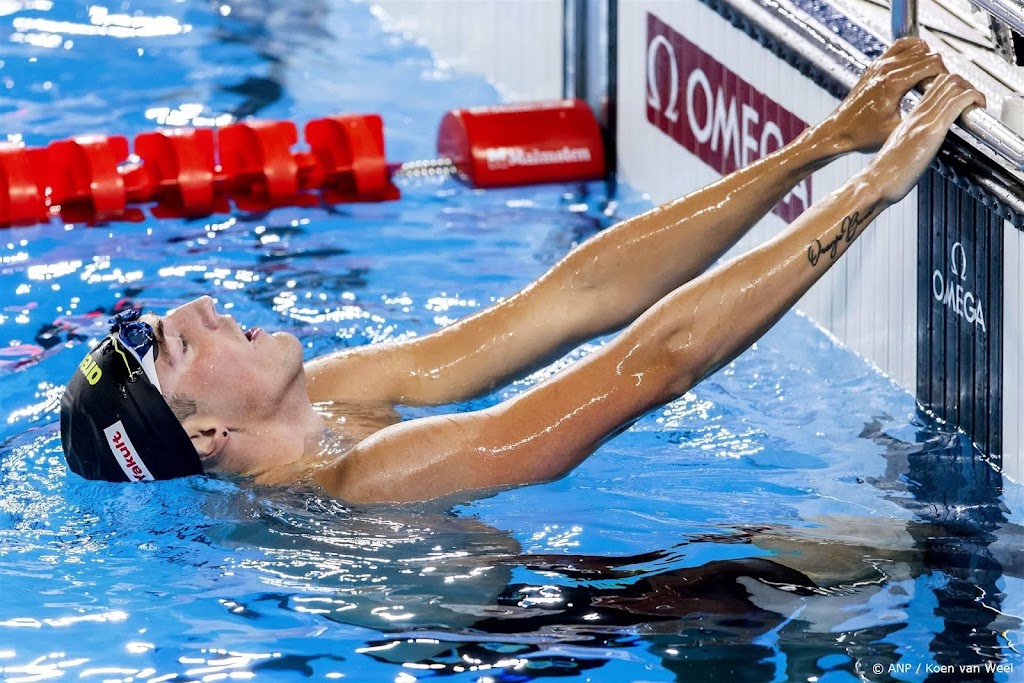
(133, 332)
(138, 337)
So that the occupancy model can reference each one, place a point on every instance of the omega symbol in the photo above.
(671, 110)
(963, 261)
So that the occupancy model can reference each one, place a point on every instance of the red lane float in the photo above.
(22, 185)
(350, 150)
(177, 167)
(85, 174)
(191, 172)
(523, 144)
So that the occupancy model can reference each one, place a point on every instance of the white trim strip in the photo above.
(125, 454)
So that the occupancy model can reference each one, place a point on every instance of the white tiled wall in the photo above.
(516, 44)
(869, 299)
(1013, 354)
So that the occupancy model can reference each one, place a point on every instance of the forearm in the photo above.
(721, 313)
(634, 265)
(714, 318)
(609, 280)
(624, 270)
(686, 336)
(675, 344)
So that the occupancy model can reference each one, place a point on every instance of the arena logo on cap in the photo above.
(125, 454)
(713, 113)
(90, 370)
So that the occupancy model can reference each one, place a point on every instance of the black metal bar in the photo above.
(960, 288)
(611, 118)
(996, 286)
(926, 323)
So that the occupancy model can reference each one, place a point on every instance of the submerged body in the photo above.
(249, 406)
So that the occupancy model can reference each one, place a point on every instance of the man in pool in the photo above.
(191, 392)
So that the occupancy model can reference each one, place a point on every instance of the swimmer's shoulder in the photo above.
(365, 374)
(356, 420)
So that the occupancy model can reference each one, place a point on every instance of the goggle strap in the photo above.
(147, 362)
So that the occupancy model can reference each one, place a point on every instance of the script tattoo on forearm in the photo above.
(848, 230)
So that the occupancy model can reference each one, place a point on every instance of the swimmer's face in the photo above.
(237, 378)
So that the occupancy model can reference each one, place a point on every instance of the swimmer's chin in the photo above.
(212, 469)
(321, 449)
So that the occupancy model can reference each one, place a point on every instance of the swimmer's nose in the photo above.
(209, 309)
(205, 310)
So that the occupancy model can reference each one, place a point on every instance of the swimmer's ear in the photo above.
(208, 436)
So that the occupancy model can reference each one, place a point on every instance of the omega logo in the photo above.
(728, 123)
(713, 112)
(953, 295)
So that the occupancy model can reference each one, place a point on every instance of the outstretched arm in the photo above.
(546, 431)
(609, 280)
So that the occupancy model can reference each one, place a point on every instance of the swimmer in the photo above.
(191, 392)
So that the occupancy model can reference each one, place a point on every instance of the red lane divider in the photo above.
(194, 172)
(345, 147)
(22, 185)
(177, 168)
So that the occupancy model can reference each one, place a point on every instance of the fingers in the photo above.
(918, 54)
(908, 63)
(902, 44)
(913, 144)
(950, 86)
(916, 70)
(946, 99)
(905, 48)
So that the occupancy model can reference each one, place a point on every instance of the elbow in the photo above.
(696, 355)
(681, 349)
(708, 329)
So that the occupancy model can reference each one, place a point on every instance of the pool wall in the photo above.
(516, 45)
(883, 300)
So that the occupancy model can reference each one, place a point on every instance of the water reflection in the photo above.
(269, 31)
(450, 594)
(435, 592)
(966, 542)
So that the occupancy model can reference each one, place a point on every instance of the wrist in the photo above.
(828, 140)
(871, 186)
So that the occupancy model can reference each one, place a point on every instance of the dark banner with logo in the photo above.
(960, 295)
(713, 113)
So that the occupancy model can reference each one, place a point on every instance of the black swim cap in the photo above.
(114, 423)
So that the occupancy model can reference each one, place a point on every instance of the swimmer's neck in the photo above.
(303, 436)
(328, 435)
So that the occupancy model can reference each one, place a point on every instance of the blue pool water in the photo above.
(671, 554)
